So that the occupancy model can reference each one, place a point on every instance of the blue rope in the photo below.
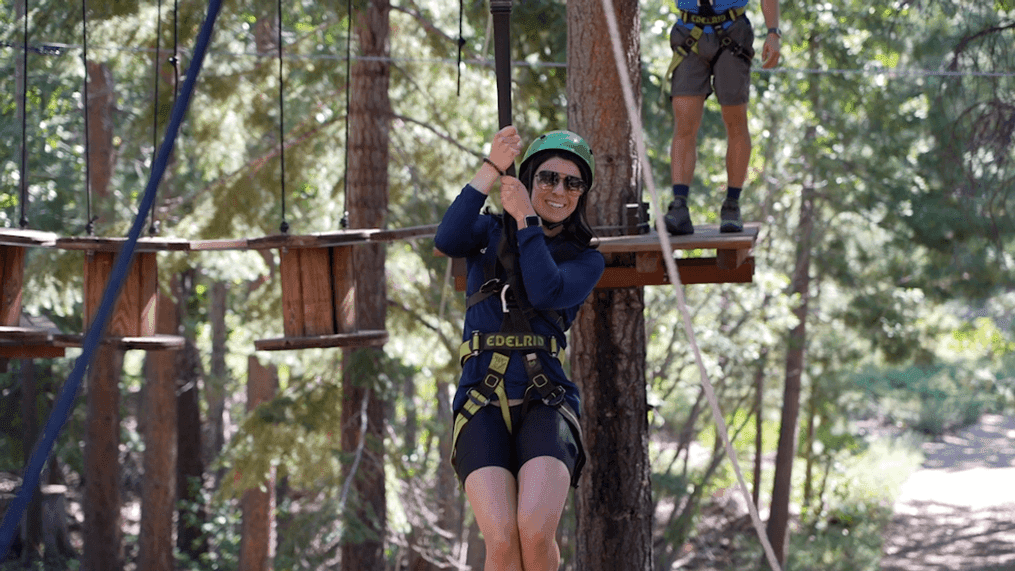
(62, 409)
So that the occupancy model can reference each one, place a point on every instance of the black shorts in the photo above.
(485, 441)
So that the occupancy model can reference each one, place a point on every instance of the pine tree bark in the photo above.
(778, 522)
(158, 495)
(103, 549)
(614, 499)
(189, 465)
(29, 419)
(367, 204)
(257, 545)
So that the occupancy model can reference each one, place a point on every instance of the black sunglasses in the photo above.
(572, 184)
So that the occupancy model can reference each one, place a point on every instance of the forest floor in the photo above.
(958, 510)
(955, 512)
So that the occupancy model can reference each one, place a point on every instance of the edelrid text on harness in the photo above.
(690, 43)
(515, 335)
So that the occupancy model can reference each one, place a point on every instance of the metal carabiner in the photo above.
(503, 298)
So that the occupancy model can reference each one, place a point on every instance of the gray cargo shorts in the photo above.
(729, 78)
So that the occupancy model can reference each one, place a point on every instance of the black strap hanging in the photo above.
(23, 222)
(344, 223)
(89, 221)
(153, 226)
(284, 227)
(461, 44)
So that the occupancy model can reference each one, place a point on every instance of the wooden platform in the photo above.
(17, 237)
(28, 343)
(97, 244)
(357, 339)
(732, 262)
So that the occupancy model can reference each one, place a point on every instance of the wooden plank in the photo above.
(115, 244)
(150, 343)
(19, 237)
(706, 237)
(315, 279)
(124, 322)
(427, 231)
(219, 245)
(647, 262)
(692, 271)
(365, 338)
(731, 259)
(98, 266)
(292, 293)
(148, 268)
(15, 335)
(31, 352)
(321, 240)
(12, 271)
(343, 288)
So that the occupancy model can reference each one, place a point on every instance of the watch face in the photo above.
(531, 220)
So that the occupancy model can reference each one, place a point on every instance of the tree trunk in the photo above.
(215, 388)
(614, 497)
(778, 522)
(812, 414)
(32, 531)
(101, 106)
(258, 504)
(159, 487)
(102, 534)
(367, 204)
(189, 465)
(759, 425)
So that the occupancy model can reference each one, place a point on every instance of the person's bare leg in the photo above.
(493, 495)
(738, 151)
(543, 484)
(687, 111)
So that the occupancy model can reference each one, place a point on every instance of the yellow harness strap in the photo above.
(493, 383)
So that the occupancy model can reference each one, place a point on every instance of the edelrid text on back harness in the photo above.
(515, 334)
(690, 43)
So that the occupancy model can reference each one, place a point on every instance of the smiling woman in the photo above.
(525, 286)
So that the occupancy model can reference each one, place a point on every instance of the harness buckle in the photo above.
(479, 403)
(555, 398)
(477, 343)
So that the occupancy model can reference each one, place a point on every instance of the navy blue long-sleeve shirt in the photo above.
(553, 279)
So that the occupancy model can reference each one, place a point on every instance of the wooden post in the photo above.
(344, 284)
(158, 493)
(257, 546)
(137, 306)
(102, 530)
(12, 264)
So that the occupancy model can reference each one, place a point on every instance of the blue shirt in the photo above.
(554, 279)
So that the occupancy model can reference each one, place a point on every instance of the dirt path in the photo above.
(958, 511)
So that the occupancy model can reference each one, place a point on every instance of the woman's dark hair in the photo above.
(576, 226)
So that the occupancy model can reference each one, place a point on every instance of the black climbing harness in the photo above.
(515, 334)
(690, 43)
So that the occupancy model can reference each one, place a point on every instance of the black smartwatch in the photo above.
(776, 31)
(532, 220)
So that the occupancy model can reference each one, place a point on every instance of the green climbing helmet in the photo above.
(565, 141)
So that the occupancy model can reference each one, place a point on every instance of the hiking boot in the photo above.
(678, 219)
(729, 216)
